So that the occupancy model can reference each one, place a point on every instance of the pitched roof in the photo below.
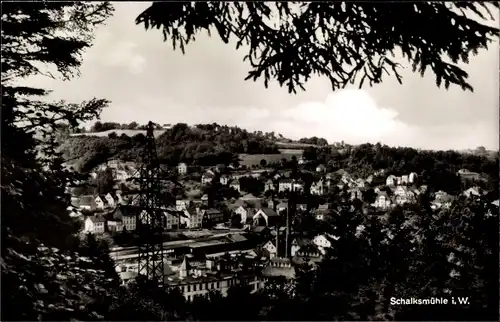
(103, 198)
(282, 205)
(269, 212)
(97, 218)
(382, 194)
(167, 270)
(237, 238)
(323, 207)
(302, 242)
(273, 271)
(191, 211)
(127, 211)
(87, 200)
(249, 196)
(184, 265)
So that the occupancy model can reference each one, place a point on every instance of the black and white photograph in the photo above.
(250, 161)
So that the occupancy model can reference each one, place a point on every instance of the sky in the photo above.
(145, 79)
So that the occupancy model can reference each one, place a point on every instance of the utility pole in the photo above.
(150, 217)
(290, 212)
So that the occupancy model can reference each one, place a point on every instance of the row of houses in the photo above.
(301, 247)
(99, 202)
(125, 218)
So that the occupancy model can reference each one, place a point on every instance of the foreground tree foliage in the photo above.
(348, 42)
(410, 252)
(54, 281)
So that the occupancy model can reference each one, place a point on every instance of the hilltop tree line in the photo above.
(314, 140)
(204, 144)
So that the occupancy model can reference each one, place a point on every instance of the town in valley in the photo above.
(250, 220)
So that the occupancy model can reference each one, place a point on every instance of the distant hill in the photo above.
(203, 144)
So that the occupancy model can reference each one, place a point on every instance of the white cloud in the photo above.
(109, 51)
(124, 54)
(351, 113)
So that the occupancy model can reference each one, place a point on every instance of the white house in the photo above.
(391, 180)
(269, 185)
(271, 248)
(403, 195)
(298, 185)
(285, 185)
(322, 243)
(115, 225)
(213, 215)
(355, 193)
(412, 177)
(235, 184)
(244, 212)
(128, 217)
(87, 203)
(224, 179)
(318, 187)
(172, 219)
(101, 202)
(113, 199)
(182, 168)
(265, 217)
(303, 247)
(95, 224)
(182, 204)
(192, 218)
(382, 201)
(207, 177)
